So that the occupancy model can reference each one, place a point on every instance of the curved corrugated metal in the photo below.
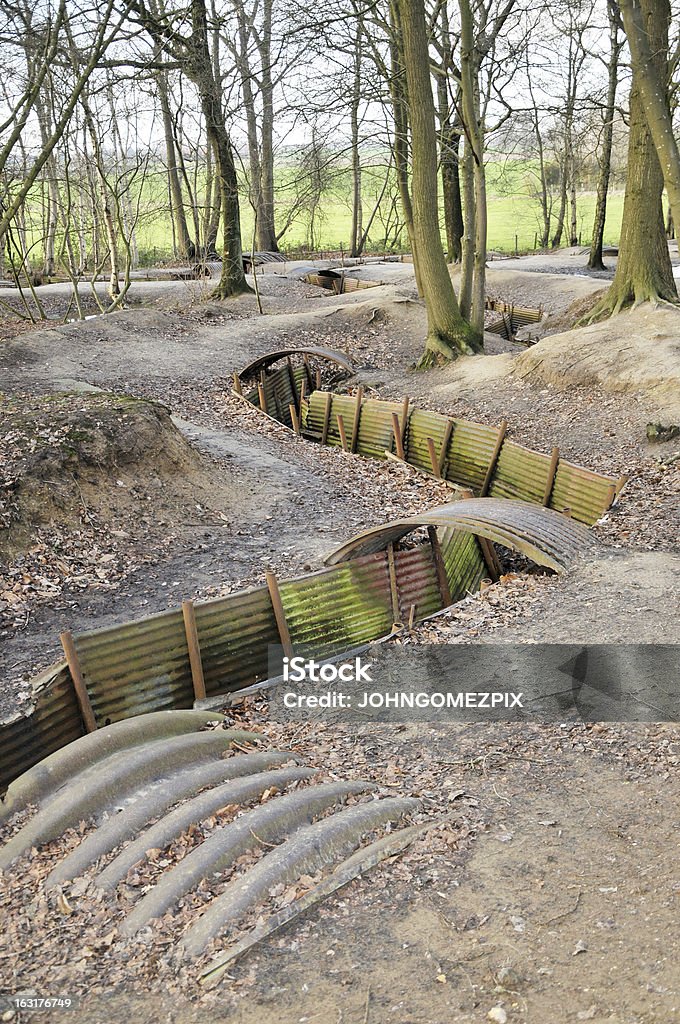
(331, 355)
(547, 537)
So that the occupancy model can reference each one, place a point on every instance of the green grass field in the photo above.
(513, 213)
(514, 217)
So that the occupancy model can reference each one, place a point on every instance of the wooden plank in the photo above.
(394, 589)
(195, 660)
(434, 461)
(291, 377)
(357, 419)
(237, 384)
(263, 400)
(490, 559)
(502, 431)
(317, 378)
(308, 372)
(442, 578)
(82, 696)
(294, 417)
(326, 417)
(341, 431)
(279, 613)
(445, 445)
(398, 440)
(552, 471)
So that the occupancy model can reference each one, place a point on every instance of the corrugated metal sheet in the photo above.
(547, 537)
(53, 722)
(329, 354)
(584, 494)
(375, 428)
(142, 666)
(417, 582)
(463, 560)
(421, 425)
(337, 609)
(520, 473)
(470, 451)
(234, 633)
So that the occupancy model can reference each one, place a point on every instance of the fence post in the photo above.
(82, 696)
(279, 613)
(195, 660)
(502, 430)
(552, 471)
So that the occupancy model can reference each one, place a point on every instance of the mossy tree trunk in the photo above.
(643, 272)
(449, 335)
(595, 261)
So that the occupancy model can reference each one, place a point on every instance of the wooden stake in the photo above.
(263, 400)
(237, 384)
(434, 461)
(308, 371)
(445, 446)
(357, 419)
(442, 578)
(326, 417)
(279, 613)
(195, 660)
(318, 380)
(502, 431)
(490, 559)
(82, 696)
(552, 471)
(294, 417)
(341, 431)
(291, 375)
(398, 442)
(394, 590)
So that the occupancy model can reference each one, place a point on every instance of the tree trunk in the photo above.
(469, 77)
(199, 68)
(644, 272)
(448, 333)
(186, 247)
(357, 208)
(400, 113)
(644, 21)
(595, 261)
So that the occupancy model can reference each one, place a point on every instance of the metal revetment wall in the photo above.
(234, 633)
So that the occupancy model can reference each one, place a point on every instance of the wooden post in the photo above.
(442, 578)
(318, 380)
(434, 461)
(326, 417)
(341, 431)
(490, 559)
(445, 445)
(294, 417)
(394, 590)
(552, 471)
(279, 613)
(502, 430)
(398, 442)
(82, 696)
(263, 400)
(404, 422)
(308, 371)
(237, 384)
(195, 660)
(291, 377)
(357, 419)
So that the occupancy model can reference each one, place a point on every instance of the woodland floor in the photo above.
(561, 861)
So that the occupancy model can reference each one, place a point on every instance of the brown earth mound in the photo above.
(69, 458)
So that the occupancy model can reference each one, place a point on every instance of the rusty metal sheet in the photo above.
(141, 666)
(584, 494)
(337, 609)
(545, 536)
(234, 633)
(417, 582)
(520, 473)
(330, 355)
(53, 721)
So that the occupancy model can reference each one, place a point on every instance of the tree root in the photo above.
(608, 307)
